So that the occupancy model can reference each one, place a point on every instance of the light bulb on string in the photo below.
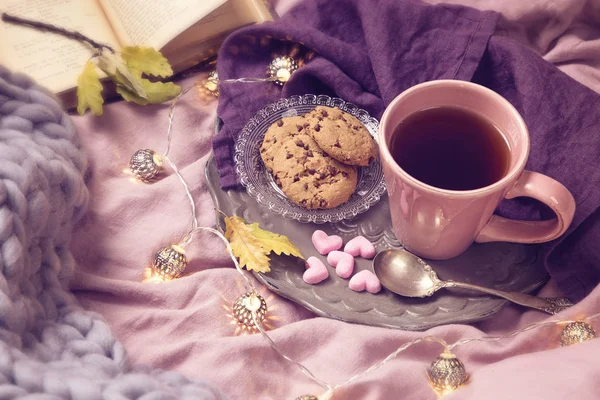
(247, 304)
(170, 262)
(576, 332)
(145, 164)
(447, 373)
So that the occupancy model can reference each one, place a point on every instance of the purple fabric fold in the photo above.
(368, 51)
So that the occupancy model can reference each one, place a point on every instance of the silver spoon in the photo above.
(407, 275)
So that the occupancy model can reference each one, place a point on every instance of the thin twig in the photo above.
(42, 26)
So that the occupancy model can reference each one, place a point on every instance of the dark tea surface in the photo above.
(450, 148)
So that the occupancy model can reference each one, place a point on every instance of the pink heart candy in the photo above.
(342, 262)
(324, 243)
(315, 272)
(365, 279)
(360, 246)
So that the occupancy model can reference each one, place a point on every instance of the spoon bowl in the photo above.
(405, 274)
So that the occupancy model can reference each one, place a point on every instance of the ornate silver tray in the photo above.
(504, 266)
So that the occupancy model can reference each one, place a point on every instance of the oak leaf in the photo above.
(147, 60)
(272, 242)
(155, 92)
(252, 245)
(89, 90)
(245, 245)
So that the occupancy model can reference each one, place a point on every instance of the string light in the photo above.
(576, 332)
(145, 164)
(280, 71)
(282, 68)
(170, 262)
(445, 374)
(247, 304)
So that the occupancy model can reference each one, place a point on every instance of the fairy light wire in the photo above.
(258, 324)
(302, 368)
(171, 117)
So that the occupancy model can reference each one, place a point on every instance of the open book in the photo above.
(185, 31)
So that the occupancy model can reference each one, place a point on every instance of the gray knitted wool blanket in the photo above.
(50, 348)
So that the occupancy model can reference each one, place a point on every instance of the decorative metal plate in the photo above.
(260, 184)
(505, 266)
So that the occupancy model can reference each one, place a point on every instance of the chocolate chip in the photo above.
(355, 127)
(323, 203)
(306, 147)
(317, 184)
(303, 202)
(322, 175)
(296, 178)
(288, 156)
(306, 186)
(318, 128)
(299, 143)
(274, 140)
(324, 113)
(331, 170)
(337, 144)
(311, 171)
(344, 174)
(280, 123)
(299, 127)
(306, 124)
(309, 153)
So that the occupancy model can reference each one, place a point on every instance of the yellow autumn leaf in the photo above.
(156, 92)
(272, 242)
(89, 90)
(246, 247)
(147, 60)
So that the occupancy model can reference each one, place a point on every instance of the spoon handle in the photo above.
(546, 304)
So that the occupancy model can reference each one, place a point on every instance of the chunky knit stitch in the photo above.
(50, 348)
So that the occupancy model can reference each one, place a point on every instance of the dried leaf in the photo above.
(246, 246)
(156, 92)
(114, 66)
(272, 242)
(252, 244)
(89, 90)
(147, 60)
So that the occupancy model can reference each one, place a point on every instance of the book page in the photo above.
(155, 22)
(52, 60)
(202, 39)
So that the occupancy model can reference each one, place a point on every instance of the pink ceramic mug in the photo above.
(438, 223)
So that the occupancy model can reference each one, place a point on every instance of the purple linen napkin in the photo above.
(368, 51)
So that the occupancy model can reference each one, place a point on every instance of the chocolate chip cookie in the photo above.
(309, 177)
(276, 135)
(342, 136)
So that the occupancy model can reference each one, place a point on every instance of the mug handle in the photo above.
(544, 189)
